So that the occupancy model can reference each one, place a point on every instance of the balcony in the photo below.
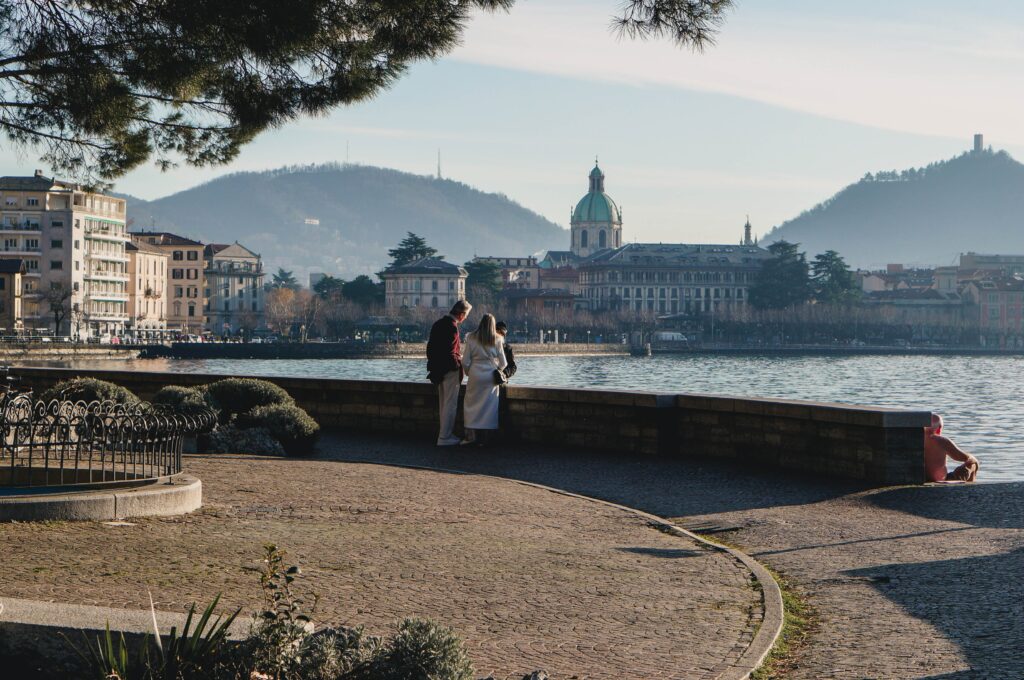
(98, 275)
(106, 235)
(20, 227)
(107, 257)
(20, 250)
(112, 297)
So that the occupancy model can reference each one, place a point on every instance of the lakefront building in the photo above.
(658, 278)
(72, 242)
(185, 283)
(427, 283)
(12, 273)
(234, 289)
(147, 290)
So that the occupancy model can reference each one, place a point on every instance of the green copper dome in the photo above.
(596, 207)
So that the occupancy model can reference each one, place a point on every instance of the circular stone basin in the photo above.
(121, 499)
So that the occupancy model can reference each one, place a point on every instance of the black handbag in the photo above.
(499, 377)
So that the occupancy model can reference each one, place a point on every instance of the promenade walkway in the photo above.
(912, 582)
(532, 579)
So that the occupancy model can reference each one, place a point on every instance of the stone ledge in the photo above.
(176, 495)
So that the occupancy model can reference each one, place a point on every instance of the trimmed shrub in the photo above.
(233, 396)
(87, 390)
(287, 423)
(180, 398)
(230, 439)
(423, 650)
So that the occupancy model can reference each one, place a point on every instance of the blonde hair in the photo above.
(485, 333)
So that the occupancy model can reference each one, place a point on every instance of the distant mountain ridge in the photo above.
(927, 216)
(342, 219)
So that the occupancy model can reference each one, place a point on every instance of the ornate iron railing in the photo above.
(64, 443)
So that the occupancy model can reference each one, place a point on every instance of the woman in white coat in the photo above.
(483, 355)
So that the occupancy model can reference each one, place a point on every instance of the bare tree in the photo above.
(58, 300)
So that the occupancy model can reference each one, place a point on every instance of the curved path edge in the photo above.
(771, 624)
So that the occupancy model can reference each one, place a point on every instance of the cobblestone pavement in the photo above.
(532, 579)
(911, 582)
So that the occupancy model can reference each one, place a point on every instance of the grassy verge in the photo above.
(799, 621)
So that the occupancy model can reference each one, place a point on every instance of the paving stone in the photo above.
(532, 579)
(910, 582)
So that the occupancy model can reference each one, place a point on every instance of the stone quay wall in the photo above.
(875, 445)
(351, 350)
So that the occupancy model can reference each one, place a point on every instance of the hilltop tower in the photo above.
(747, 233)
(596, 222)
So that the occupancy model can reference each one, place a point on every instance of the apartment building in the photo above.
(12, 272)
(147, 290)
(234, 289)
(185, 283)
(426, 283)
(72, 241)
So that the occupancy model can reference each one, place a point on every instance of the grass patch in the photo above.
(799, 622)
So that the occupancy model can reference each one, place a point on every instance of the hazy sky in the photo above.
(798, 99)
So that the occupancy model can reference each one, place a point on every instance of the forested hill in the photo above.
(362, 212)
(926, 216)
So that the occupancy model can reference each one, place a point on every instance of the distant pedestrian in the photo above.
(502, 329)
(485, 363)
(937, 448)
(444, 368)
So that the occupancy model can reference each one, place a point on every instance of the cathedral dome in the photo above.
(596, 207)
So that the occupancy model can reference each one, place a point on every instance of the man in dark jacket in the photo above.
(444, 368)
(502, 329)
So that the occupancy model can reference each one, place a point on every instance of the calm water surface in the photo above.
(979, 397)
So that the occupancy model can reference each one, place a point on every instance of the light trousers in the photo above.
(448, 403)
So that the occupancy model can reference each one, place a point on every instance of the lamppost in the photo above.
(398, 338)
(588, 336)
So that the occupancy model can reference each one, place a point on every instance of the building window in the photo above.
(74, 286)
(433, 286)
(178, 292)
(602, 239)
(191, 310)
(33, 202)
(77, 244)
(56, 223)
(254, 305)
(227, 305)
(191, 274)
(31, 244)
(433, 301)
(32, 264)
(56, 264)
(177, 273)
(583, 239)
(56, 243)
(178, 256)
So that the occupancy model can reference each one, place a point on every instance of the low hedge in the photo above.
(287, 423)
(235, 396)
(181, 398)
(88, 390)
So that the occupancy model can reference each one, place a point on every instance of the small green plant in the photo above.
(88, 390)
(108, 659)
(195, 651)
(284, 624)
(423, 650)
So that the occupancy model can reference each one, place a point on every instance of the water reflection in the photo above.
(978, 396)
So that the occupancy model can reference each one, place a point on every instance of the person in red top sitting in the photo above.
(937, 447)
(444, 368)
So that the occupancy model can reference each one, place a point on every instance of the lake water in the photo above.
(979, 397)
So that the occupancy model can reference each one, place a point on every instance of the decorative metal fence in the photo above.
(63, 443)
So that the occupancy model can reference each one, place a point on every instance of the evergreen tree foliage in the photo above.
(363, 291)
(410, 249)
(329, 287)
(284, 279)
(100, 86)
(483, 283)
(783, 280)
(831, 280)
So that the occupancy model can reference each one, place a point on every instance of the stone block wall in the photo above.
(881, 446)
